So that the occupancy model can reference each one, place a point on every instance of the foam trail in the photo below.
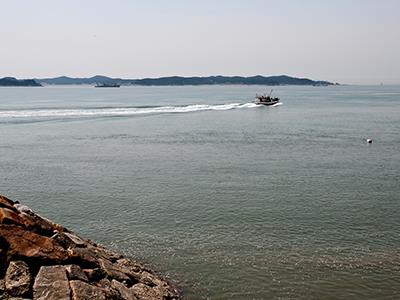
(118, 111)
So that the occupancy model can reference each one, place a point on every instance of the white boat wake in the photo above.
(118, 111)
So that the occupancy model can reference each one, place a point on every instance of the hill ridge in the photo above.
(192, 80)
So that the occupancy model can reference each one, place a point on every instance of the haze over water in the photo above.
(231, 200)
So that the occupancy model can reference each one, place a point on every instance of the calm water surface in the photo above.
(230, 200)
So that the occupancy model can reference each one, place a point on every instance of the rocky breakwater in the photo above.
(43, 260)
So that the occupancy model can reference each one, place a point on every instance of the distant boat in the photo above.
(107, 85)
(266, 100)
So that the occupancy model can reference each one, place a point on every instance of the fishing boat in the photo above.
(265, 99)
(107, 85)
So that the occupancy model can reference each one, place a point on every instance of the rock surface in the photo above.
(18, 278)
(43, 260)
(51, 283)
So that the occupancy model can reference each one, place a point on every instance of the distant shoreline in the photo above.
(169, 81)
(181, 81)
(13, 82)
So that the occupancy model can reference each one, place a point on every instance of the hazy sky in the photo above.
(349, 41)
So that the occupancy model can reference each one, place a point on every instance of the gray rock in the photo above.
(133, 270)
(142, 291)
(24, 208)
(3, 293)
(113, 271)
(18, 278)
(149, 279)
(104, 283)
(75, 272)
(86, 255)
(4, 296)
(83, 291)
(130, 265)
(125, 292)
(68, 240)
(63, 240)
(160, 291)
(76, 239)
(107, 254)
(2, 286)
(38, 224)
(51, 283)
(94, 274)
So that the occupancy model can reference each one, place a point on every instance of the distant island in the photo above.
(11, 81)
(179, 81)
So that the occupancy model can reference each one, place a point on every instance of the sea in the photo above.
(225, 198)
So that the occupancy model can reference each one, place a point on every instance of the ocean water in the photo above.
(228, 199)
